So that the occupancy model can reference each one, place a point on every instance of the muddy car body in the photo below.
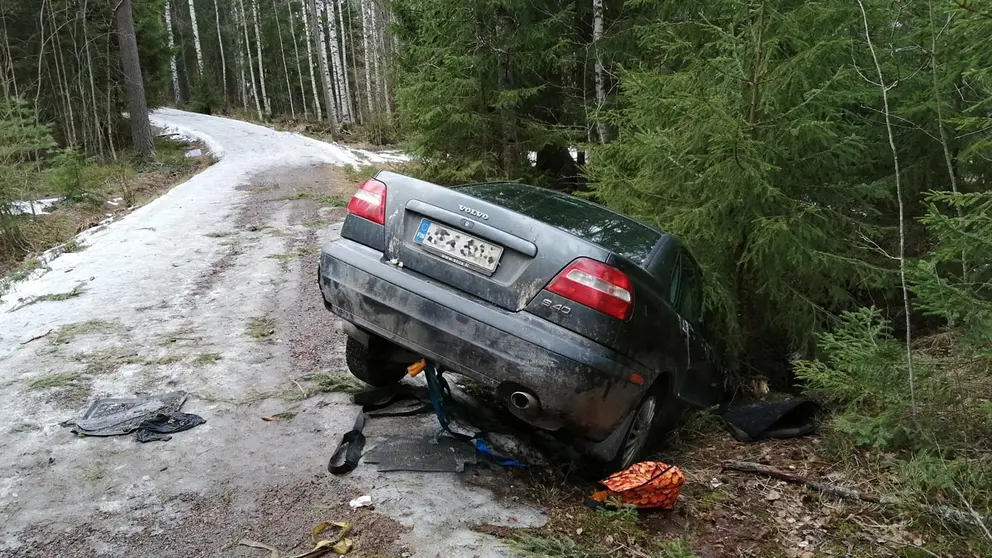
(579, 317)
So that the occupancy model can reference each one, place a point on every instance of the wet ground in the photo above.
(211, 289)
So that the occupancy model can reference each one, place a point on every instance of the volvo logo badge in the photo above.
(474, 212)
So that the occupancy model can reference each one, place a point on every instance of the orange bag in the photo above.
(648, 484)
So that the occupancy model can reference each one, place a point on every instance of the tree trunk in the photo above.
(327, 70)
(220, 44)
(597, 34)
(172, 53)
(240, 61)
(110, 118)
(89, 69)
(141, 128)
(336, 63)
(296, 52)
(884, 88)
(310, 42)
(344, 60)
(318, 40)
(9, 57)
(383, 30)
(366, 54)
(251, 63)
(62, 76)
(354, 65)
(285, 67)
(261, 65)
(196, 38)
(374, 40)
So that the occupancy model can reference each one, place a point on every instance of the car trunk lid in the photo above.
(475, 240)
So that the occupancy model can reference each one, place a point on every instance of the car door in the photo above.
(701, 385)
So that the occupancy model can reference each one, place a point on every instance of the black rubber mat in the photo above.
(445, 455)
(750, 421)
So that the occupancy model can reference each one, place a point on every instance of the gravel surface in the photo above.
(211, 289)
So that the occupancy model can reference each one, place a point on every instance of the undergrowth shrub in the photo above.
(940, 452)
(77, 179)
(378, 129)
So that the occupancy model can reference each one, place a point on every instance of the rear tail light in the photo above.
(369, 202)
(596, 285)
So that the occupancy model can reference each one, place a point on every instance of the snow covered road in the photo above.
(172, 297)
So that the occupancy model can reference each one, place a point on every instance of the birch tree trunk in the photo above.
(141, 128)
(310, 42)
(366, 54)
(261, 66)
(9, 57)
(239, 59)
(374, 40)
(62, 75)
(327, 70)
(172, 53)
(344, 60)
(196, 38)
(336, 63)
(597, 34)
(318, 38)
(220, 44)
(89, 68)
(296, 52)
(285, 67)
(383, 29)
(251, 63)
(354, 64)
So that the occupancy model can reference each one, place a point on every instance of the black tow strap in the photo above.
(353, 442)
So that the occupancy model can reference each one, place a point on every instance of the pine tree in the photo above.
(739, 136)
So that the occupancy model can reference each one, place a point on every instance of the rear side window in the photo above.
(690, 289)
(586, 220)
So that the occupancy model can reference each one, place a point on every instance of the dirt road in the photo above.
(209, 289)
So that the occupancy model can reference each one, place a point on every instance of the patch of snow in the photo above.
(36, 207)
(193, 153)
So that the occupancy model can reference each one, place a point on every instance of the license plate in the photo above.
(458, 247)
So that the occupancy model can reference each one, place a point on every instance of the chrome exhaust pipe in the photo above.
(523, 401)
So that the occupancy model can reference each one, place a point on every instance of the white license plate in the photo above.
(458, 247)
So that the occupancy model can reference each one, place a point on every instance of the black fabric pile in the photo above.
(750, 421)
(151, 417)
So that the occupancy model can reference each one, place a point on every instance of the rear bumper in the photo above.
(578, 382)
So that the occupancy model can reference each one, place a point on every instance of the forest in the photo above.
(827, 162)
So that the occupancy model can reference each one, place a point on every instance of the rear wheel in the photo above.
(368, 363)
(658, 413)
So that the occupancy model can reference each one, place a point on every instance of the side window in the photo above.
(691, 290)
(673, 284)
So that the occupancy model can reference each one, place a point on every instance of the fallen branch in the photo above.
(37, 337)
(944, 512)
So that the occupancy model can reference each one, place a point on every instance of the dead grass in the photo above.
(261, 328)
(329, 383)
(73, 246)
(219, 234)
(321, 197)
(108, 360)
(68, 332)
(57, 380)
(206, 358)
(51, 297)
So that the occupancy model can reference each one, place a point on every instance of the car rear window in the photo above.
(586, 220)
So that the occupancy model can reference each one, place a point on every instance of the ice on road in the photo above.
(164, 299)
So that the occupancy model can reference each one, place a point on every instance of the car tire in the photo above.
(368, 365)
(658, 413)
